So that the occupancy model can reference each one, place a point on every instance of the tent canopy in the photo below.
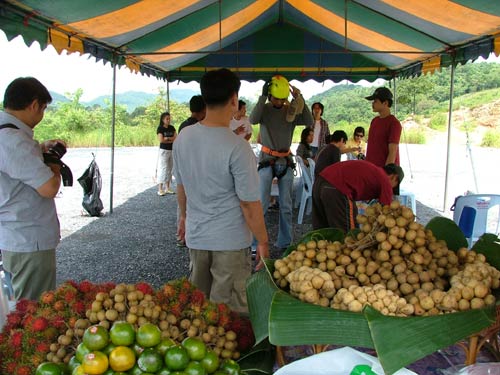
(301, 39)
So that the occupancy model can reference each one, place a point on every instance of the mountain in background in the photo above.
(130, 99)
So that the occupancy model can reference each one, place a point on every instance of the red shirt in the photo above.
(382, 132)
(359, 180)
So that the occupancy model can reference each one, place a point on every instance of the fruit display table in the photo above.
(398, 341)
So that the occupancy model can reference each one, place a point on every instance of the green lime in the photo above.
(48, 368)
(210, 362)
(230, 367)
(81, 351)
(96, 337)
(148, 335)
(195, 368)
(195, 348)
(176, 358)
(122, 333)
(150, 360)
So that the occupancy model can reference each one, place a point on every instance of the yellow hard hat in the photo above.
(279, 87)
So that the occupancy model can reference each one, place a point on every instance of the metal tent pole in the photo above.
(113, 121)
(448, 146)
(168, 96)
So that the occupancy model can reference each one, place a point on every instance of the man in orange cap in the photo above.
(277, 119)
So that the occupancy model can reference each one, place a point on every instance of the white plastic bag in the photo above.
(491, 368)
(335, 362)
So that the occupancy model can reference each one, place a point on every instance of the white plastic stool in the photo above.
(407, 199)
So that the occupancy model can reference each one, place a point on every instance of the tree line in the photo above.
(345, 108)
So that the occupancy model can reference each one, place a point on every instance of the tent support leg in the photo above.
(448, 146)
(113, 121)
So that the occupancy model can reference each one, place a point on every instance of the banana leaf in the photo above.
(260, 291)
(446, 229)
(260, 360)
(293, 322)
(401, 341)
(330, 234)
(398, 341)
(489, 245)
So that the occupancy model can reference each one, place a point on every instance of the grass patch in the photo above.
(438, 121)
(491, 139)
(468, 126)
(414, 136)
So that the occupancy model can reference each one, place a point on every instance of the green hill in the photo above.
(130, 99)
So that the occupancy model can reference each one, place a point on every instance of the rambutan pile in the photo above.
(33, 327)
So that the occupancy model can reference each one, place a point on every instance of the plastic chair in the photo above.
(297, 183)
(312, 167)
(407, 199)
(472, 214)
(307, 183)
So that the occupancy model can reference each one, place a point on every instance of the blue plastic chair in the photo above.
(474, 215)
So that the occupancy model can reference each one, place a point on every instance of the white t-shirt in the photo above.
(217, 170)
(317, 130)
(235, 124)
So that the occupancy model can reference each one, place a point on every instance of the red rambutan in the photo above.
(69, 296)
(176, 309)
(144, 288)
(23, 370)
(58, 321)
(85, 286)
(59, 305)
(197, 297)
(10, 367)
(16, 339)
(22, 305)
(183, 298)
(186, 284)
(169, 291)
(78, 307)
(224, 320)
(16, 354)
(42, 347)
(39, 324)
(14, 320)
(47, 297)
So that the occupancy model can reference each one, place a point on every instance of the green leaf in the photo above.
(260, 360)
(400, 341)
(489, 245)
(260, 290)
(329, 234)
(293, 322)
(446, 229)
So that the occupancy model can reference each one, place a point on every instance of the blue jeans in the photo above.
(285, 187)
(314, 151)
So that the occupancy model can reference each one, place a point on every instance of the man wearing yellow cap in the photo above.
(277, 119)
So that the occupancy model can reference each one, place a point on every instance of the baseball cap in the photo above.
(382, 93)
(395, 169)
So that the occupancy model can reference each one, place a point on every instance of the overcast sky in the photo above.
(66, 73)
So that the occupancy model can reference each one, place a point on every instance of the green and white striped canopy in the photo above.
(301, 39)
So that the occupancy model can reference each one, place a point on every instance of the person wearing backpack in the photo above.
(29, 227)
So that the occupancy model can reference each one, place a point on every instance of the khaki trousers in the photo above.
(222, 275)
(32, 273)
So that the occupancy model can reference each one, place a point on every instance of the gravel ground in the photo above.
(137, 241)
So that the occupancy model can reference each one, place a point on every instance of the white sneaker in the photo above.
(161, 193)
(170, 191)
